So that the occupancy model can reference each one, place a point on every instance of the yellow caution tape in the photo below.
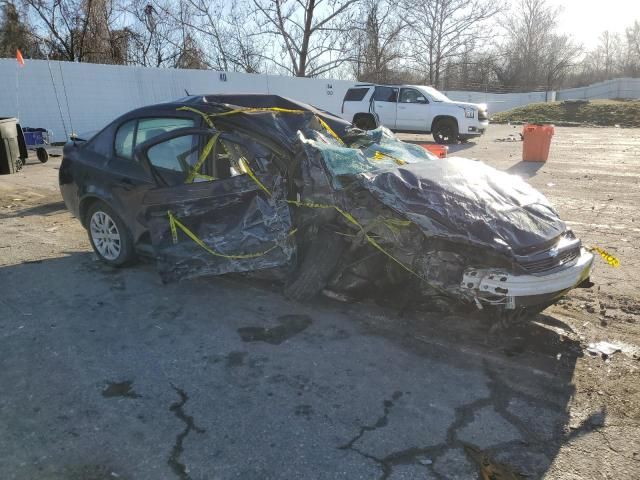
(352, 220)
(203, 156)
(207, 117)
(610, 259)
(381, 156)
(199, 112)
(256, 110)
(326, 126)
(245, 167)
(174, 224)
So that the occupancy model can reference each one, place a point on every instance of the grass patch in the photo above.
(603, 113)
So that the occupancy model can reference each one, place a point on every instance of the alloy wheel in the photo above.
(105, 235)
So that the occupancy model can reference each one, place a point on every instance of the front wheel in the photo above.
(445, 131)
(109, 236)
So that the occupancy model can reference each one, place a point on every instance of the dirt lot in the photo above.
(110, 374)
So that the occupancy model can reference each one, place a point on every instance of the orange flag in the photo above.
(19, 58)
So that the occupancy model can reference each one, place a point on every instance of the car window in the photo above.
(409, 95)
(355, 94)
(198, 158)
(123, 143)
(152, 127)
(385, 94)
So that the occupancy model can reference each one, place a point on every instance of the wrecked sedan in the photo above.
(216, 184)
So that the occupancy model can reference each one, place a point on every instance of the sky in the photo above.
(586, 19)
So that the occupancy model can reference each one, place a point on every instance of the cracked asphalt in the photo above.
(107, 373)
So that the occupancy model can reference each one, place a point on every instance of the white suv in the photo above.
(414, 109)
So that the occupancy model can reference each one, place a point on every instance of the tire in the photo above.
(42, 154)
(321, 257)
(445, 131)
(365, 122)
(109, 236)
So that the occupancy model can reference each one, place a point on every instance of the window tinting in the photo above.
(124, 139)
(152, 127)
(385, 94)
(355, 94)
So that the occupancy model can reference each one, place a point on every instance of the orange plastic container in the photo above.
(536, 142)
(439, 151)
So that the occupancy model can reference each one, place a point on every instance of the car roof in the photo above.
(210, 103)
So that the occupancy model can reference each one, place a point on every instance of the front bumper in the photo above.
(473, 129)
(496, 286)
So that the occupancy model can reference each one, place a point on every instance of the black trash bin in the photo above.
(13, 150)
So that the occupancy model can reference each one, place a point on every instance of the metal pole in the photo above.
(55, 91)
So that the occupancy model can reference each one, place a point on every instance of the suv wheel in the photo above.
(109, 236)
(445, 131)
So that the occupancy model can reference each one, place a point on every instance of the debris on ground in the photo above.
(510, 138)
(606, 349)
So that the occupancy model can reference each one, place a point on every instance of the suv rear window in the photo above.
(355, 94)
(385, 94)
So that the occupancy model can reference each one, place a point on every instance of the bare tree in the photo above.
(440, 30)
(156, 37)
(227, 33)
(311, 34)
(376, 42)
(16, 33)
(76, 30)
(533, 54)
(632, 55)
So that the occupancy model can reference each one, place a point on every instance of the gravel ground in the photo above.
(110, 374)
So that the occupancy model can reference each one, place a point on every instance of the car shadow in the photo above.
(531, 368)
(525, 169)
(106, 322)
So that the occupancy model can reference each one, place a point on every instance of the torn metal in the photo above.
(360, 213)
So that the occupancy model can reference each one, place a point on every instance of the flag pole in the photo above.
(18, 65)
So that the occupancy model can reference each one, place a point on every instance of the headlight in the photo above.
(469, 112)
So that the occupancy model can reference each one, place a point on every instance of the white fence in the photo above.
(498, 102)
(616, 88)
(81, 97)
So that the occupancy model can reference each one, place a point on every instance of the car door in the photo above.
(219, 205)
(413, 111)
(384, 104)
(128, 179)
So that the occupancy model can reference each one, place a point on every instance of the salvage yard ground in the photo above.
(110, 374)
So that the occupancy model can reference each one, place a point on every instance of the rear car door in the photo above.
(384, 104)
(413, 111)
(127, 178)
(219, 207)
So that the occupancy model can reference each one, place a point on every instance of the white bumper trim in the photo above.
(498, 283)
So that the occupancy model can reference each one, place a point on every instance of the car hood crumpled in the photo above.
(469, 201)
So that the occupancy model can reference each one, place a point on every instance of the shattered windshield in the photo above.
(365, 152)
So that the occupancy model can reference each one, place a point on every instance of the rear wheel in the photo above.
(445, 131)
(42, 154)
(109, 236)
